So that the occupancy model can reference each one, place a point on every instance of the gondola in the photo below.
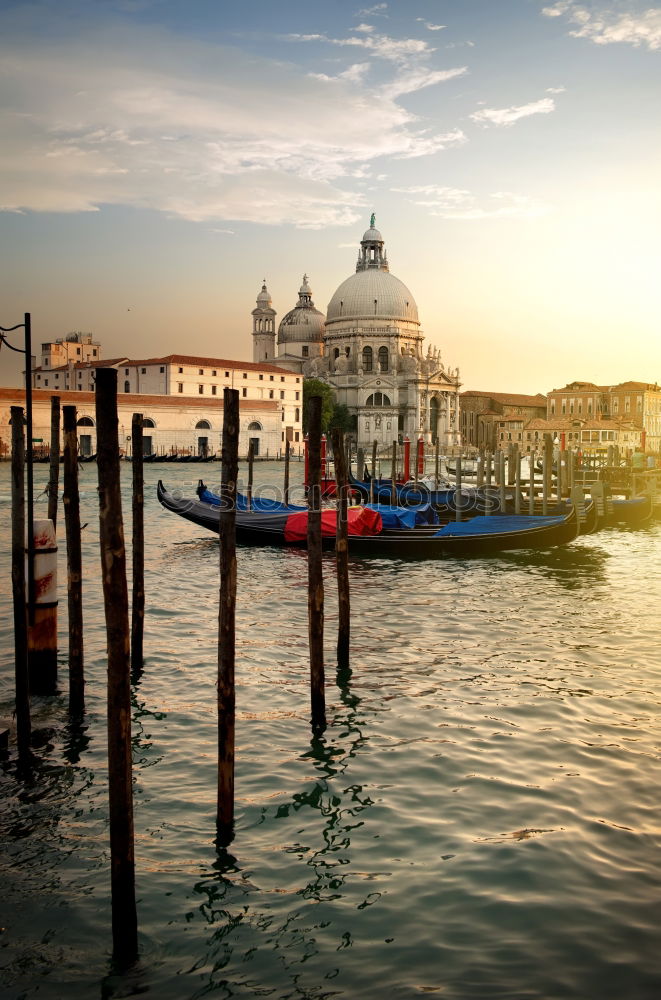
(367, 537)
(473, 501)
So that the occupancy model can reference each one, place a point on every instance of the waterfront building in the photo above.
(186, 425)
(590, 435)
(490, 418)
(369, 349)
(636, 402)
(192, 377)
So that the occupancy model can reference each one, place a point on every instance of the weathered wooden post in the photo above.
(23, 723)
(115, 595)
(406, 475)
(531, 495)
(487, 481)
(517, 480)
(503, 483)
(251, 462)
(457, 490)
(138, 544)
(420, 459)
(375, 444)
(548, 471)
(393, 473)
(360, 464)
(71, 503)
(227, 617)
(511, 472)
(54, 466)
(479, 476)
(436, 464)
(286, 482)
(342, 554)
(315, 570)
(42, 630)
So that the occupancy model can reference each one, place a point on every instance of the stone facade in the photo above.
(172, 423)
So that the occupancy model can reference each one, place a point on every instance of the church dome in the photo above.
(372, 295)
(372, 292)
(303, 323)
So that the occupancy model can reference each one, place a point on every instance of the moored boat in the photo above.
(367, 536)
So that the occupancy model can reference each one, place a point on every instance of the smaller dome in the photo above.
(303, 323)
(372, 235)
(264, 297)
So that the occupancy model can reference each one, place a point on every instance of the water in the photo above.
(480, 820)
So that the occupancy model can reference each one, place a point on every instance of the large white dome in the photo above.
(372, 294)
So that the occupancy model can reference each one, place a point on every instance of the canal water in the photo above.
(480, 820)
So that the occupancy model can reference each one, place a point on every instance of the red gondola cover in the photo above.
(360, 521)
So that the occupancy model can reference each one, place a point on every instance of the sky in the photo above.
(160, 158)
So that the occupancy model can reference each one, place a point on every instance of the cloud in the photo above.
(431, 27)
(607, 27)
(461, 205)
(378, 10)
(556, 90)
(508, 116)
(132, 115)
(398, 50)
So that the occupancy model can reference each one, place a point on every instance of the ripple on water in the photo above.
(479, 820)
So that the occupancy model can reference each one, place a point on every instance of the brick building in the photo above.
(636, 403)
(485, 416)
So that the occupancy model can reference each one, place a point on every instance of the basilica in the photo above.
(369, 348)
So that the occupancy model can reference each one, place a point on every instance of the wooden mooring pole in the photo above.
(393, 473)
(115, 596)
(138, 546)
(315, 571)
(342, 553)
(286, 480)
(251, 465)
(71, 503)
(227, 619)
(23, 723)
(54, 467)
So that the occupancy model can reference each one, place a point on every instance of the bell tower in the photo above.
(263, 327)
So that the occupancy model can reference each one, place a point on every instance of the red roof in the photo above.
(509, 398)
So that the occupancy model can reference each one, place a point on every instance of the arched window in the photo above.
(148, 422)
(202, 425)
(378, 399)
(127, 386)
(336, 352)
(85, 422)
(383, 359)
(255, 426)
(367, 359)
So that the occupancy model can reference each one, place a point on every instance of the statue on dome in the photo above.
(372, 220)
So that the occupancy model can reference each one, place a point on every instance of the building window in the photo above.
(282, 378)
(270, 393)
(213, 390)
(200, 389)
(305, 351)
(143, 371)
(271, 378)
(127, 386)
(244, 392)
(180, 386)
(162, 369)
(255, 425)
(261, 378)
(297, 381)
(296, 436)
(200, 371)
(227, 374)
(367, 359)
(214, 372)
(203, 425)
(45, 381)
(245, 375)
(378, 399)
(148, 422)
(94, 352)
(282, 394)
(297, 417)
(181, 371)
(297, 394)
(282, 416)
(126, 371)
(383, 359)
